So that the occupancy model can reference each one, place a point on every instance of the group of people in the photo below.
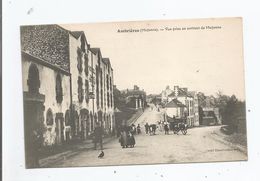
(135, 130)
(150, 129)
(162, 125)
(126, 133)
(126, 138)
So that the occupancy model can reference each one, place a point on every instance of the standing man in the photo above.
(146, 128)
(138, 129)
(166, 128)
(98, 136)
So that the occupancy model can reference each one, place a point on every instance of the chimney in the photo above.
(176, 90)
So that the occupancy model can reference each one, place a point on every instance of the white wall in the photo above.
(172, 111)
(47, 78)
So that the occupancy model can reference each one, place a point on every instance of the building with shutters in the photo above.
(67, 85)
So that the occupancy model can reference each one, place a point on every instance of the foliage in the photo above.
(230, 108)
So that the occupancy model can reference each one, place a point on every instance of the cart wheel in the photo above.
(184, 132)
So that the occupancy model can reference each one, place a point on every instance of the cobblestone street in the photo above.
(199, 145)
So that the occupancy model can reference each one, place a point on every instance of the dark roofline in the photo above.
(76, 34)
(176, 102)
(108, 61)
(61, 27)
(44, 63)
(95, 50)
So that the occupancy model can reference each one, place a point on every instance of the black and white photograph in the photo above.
(133, 93)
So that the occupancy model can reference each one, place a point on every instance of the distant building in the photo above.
(175, 109)
(154, 98)
(165, 94)
(209, 114)
(187, 98)
(135, 98)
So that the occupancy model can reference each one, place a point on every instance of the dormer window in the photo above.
(80, 90)
(82, 44)
(79, 59)
(86, 64)
(86, 91)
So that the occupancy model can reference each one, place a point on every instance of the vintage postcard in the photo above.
(127, 93)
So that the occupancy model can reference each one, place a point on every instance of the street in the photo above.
(197, 145)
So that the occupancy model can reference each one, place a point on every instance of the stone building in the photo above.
(187, 98)
(175, 109)
(67, 85)
(135, 98)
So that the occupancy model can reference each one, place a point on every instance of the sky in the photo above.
(206, 60)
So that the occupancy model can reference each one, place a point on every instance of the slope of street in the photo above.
(196, 146)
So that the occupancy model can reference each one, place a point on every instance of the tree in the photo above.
(221, 102)
(201, 99)
(229, 113)
(119, 98)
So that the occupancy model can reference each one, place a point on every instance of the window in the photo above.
(101, 85)
(86, 64)
(82, 43)
(97, 86)
(49, 117)
(79, 59)
(107, 83)
(111, 84)
(67, 118)
(80, 90)
(33, 81)
(108, 100)
(86, 91)
(91, 121)
(59, 96)
(76, 123)
(111, 99)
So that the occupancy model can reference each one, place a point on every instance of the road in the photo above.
(197, 146)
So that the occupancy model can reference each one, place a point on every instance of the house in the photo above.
(175, 108)
(67, 85)
(165, 93)
(187, 98)
(135, 98)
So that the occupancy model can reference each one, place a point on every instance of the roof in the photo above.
(76, 34)
(132, 92)
(174, 103)
(106, 61)
(95, 50)
(191, 93)
(49, 43)
(181, 93)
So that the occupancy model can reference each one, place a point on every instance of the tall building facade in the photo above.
(67, 85)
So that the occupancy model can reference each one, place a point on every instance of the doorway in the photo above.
(33, 130)
(59, 121)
